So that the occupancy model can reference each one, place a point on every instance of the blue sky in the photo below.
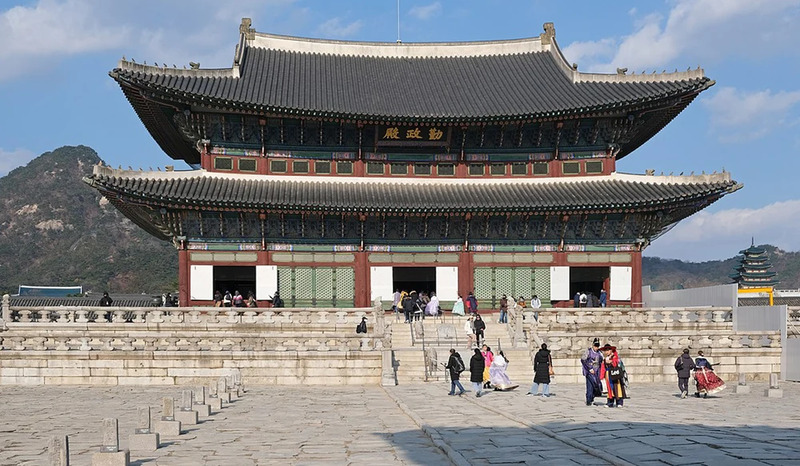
(55, 56)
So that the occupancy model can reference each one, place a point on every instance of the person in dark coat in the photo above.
(684, 365)
(542, 363)
(455, 365)
(479, 325)
(476, 367)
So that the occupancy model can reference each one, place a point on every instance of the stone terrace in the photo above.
(416, 424)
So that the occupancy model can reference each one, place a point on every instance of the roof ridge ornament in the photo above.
(245, 29)
(548, 35)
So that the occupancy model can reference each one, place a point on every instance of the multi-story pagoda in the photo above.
(753, 269)
(337, 172)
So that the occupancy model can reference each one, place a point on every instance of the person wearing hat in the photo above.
(591, 360)
(684, 365)
(613, 372)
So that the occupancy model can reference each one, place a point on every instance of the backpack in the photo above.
(459, 367)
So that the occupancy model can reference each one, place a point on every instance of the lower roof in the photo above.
(213, 190)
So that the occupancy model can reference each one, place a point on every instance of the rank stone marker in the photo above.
(222, 390)
(187, 415)
(168, 426)
(774, 390)
(143, 439)
(110, 454)
(213, 398)
(742, 386)
(200, 405)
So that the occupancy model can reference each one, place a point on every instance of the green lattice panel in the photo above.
(542, 280)
(285, 285)
(323, 287)
(303, 286)
(345, 286)
(523, 282)
(483, 284)
(504, 282)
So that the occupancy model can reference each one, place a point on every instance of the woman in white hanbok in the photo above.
(497, 373)
(432, 308)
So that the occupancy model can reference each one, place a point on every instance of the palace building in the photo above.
(336, 172)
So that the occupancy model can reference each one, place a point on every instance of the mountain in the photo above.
(57, 231)
(669, 274)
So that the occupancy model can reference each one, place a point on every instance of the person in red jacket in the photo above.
(613, 372)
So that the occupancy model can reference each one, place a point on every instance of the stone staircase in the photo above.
(441, 334)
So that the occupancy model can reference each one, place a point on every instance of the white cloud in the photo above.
(11, 159)
(702, 30)
(334, 28)
(738, 116)
(722, 234)
(425, 12)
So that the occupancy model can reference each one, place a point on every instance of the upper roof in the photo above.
(506, 80)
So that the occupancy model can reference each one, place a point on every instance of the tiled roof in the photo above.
(354, 194)
(121, 301)
(523, 82)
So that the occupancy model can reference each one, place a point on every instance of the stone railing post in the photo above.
(6, 315)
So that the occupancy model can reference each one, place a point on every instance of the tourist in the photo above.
(432, 308)
(684, 365)
(497, 373)
(217, 299)
(613, 372)
(536, 304)
(476, 367)
(503, 310)
(168, 300)
(590, 300)
(480, 327)
(456, 366)
(603, 298)
(591, 360)
(458, 307)
(582, 299)
(577, 299)
(488, 357)
(106, 300)
(251, 299)
(238, 299)
(542, 370)
(227, 299)
(362, 327)
(706, 380)
(395, 301)
(472, 303)
(469, 329)
(408, 307)
(276, 300)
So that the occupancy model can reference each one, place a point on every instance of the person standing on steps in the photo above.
(456, 366)
(503, 310)
(476, 367)
(480, 327)
(684, 365)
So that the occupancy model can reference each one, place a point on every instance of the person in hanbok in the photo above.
(497, 373)
(458, 307)
(591, 361)
(613, 372)
(432, 308)
(488, 357)
(705, 378)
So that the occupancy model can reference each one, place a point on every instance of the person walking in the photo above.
(503, 310)
(536, 304)
(576, 300)
(613, 372)
(480, 327)
(488, 357)
(476, 367)
(458, 307)
(456, 366)
(591, 360)
(472, 303)
(603, 298)
(705, 378)
(684, 365)
(469, 329)
(542, 370)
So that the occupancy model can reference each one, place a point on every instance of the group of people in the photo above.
(520, 303)
(415, 306)
(706, 381)
(474, 328)
(603, 365)
(583, 299)
(236, 299)
(486, 371)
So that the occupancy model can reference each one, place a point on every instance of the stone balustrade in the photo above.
(627, 317)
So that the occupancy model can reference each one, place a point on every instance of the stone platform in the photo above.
(416, 424)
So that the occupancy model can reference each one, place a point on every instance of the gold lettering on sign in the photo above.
(392, 133)
(413, 134)
(435, 134)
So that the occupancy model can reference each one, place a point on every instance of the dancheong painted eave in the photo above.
(443, 83)
(214, 190)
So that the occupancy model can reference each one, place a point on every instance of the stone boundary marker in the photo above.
(110, 454)
(143, 439)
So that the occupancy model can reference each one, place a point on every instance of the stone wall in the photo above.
(177, 346)
(649, 341)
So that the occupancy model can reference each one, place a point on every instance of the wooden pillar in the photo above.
(183, 277)
(466, 273)
(362, 280)
(636, 279)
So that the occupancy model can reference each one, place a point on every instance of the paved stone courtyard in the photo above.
(416, 424)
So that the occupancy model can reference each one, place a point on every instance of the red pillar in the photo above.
(183, 277)
(466, 273)
(636, 279)
(362, 280)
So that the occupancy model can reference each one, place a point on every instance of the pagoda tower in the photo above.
(753, 269)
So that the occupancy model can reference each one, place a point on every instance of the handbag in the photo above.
(615, 374)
